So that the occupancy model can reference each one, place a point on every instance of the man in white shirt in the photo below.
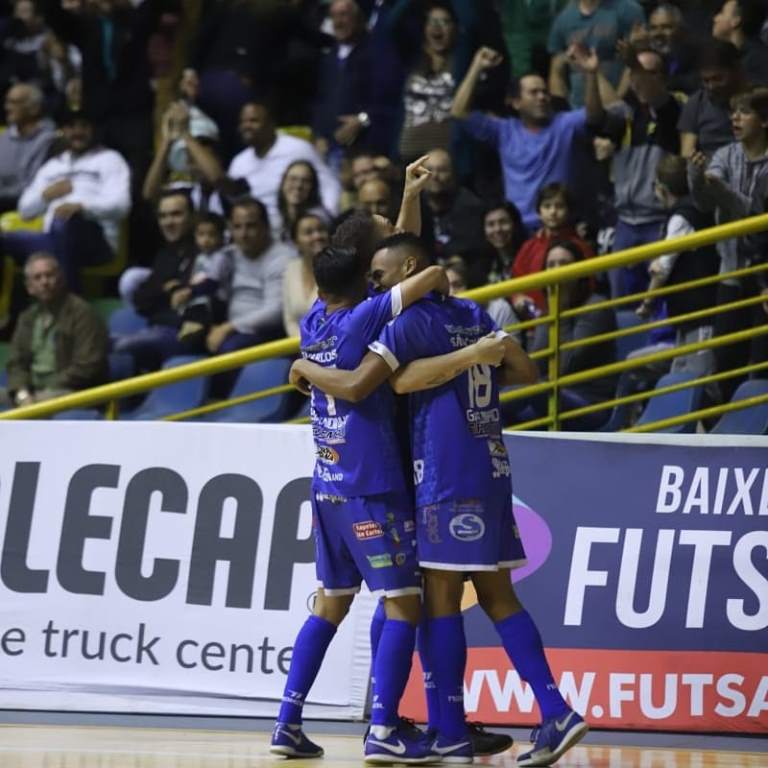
(266, 158)
(83, 194)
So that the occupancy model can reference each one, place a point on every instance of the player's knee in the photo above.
(495, 594)
(332, 608)
(442, 595)
(404, 608)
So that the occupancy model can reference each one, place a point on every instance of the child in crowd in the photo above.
(203, 301)
(554, 207)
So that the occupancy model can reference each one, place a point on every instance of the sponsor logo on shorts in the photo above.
(380, 561)
(467, 527)
(326, 454)
(418, 471)
(368, 529)
(400, 558)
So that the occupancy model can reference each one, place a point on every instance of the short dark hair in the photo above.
(672, 172)
(718, 54)
(568, 245)
(752, 14)
(337, 271)
(355, 229)
(513, 89)
(251, 202)
(552, 190)
(176, 192)
(755, 99)
(214, 219)
(409, 241)
(310, 214)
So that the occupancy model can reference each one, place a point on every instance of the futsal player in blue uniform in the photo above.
(464, 517)
(363, 516)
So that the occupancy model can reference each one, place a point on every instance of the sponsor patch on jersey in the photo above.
(497, 448)
(380, 561)
(367, 529)
(409, 526)
(326, 454)
(466, 527)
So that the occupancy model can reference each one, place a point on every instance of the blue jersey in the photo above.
(458, 451)
(356, 449)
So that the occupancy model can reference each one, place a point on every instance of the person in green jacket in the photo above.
(60, 343)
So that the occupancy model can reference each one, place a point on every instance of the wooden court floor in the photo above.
(74, 746)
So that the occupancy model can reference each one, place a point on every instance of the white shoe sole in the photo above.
(573, 737)
(384, 759)
(286, 751)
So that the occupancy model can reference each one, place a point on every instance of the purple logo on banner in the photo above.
(536, 537)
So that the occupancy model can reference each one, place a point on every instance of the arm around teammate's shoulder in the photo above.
(419, 285)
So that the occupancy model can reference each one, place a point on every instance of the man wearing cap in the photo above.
(83, 194)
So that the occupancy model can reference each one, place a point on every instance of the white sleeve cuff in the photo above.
(502, 334)
(379, 349)
(397, 300)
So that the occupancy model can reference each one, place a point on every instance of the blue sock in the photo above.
(447, 650)
(430, 687)
(308, 653)
(391, 669)
(377, 625)
(522, 642)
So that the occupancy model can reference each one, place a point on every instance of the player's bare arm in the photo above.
(373, 371)
(517, 367)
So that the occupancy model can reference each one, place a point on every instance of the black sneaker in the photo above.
(486, 743)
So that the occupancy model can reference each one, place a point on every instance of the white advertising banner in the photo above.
(165, 568)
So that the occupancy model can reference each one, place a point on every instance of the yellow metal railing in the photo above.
(109, 394)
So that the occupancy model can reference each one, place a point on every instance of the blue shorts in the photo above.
(366, 538)
(469, 535)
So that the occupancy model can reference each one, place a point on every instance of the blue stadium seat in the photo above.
(79, 414)
(674, 403)
(121, 366)
(172, 398)
(626, 318)
(254, 377)
(748, 421)
(125, 320)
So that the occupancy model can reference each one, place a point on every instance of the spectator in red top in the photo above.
(554, 207)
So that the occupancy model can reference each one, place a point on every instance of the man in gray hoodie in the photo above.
(24, 147)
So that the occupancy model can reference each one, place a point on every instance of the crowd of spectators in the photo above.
(553, 130)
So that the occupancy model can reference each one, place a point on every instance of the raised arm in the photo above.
(485, 58)
(587, 62)
(416, 177)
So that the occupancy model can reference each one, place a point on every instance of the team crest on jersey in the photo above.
(367, 529)
(326, 454)
(466, 527)
(400, 558)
